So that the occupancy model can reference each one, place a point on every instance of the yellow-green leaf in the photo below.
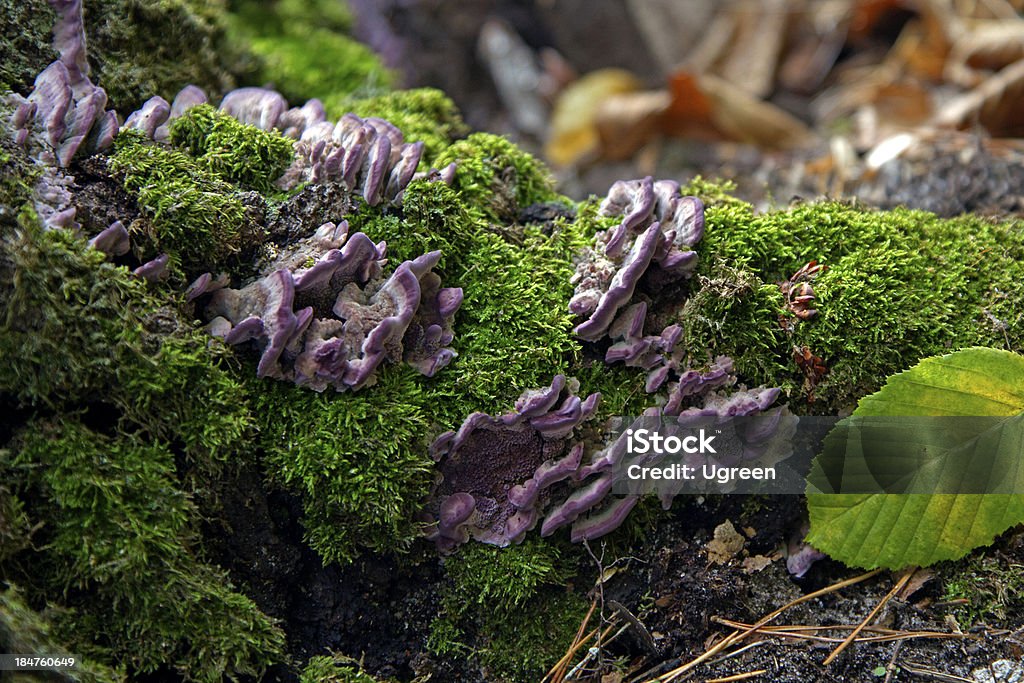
(917, 528)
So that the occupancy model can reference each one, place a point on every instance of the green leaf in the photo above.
(916, 528)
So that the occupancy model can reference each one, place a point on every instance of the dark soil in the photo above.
(379, 608)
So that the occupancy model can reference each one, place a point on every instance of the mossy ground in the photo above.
(898, 286)
(112, 445)
(509, 608)
(124, 412)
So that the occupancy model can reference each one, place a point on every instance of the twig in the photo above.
(804, 631)
(891, 666)
(939, 675)
(736, 637)
(871, 617)
(560, 665)
(737, 677)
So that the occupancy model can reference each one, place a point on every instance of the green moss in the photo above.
(141, 48)
(898, 286)
(25, 50)
(118, 345)
(508, 607)
(239, 153)
(734, 306)
(25, 631)
(304, 50)
(502, 579)
(422, 114)
(334, 669)
(524, 646)
(17, 175)
(197, 216)
(985, 589)
(15, 526)
(496, 178)
(358, 459)
(121, 534)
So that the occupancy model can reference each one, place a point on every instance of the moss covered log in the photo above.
(126, 414)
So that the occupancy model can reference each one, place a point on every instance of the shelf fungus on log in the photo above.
(499, 477)
(369, 156)
(323, 314)
(63, 115)
(497, 473)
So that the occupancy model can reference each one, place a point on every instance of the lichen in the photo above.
(241, 154)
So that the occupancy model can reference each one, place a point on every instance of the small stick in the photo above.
(870, 617)
(562, 663)
(735, 637)
(737, 677)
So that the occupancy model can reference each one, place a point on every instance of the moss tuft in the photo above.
(985, 589)
(897, 286)
(305, 52)
(28, 632)
(503, 579)
(141, 48)
(17, 175)
(496, 178)
(121, 535)
(25, 49)
(334, 669)
(508, 606)
(118, 346)
(358, 459)
(239, 153)
(197, 216)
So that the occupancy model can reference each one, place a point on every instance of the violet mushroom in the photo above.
(509, 464)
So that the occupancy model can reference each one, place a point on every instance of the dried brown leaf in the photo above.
(989, 46)
(708, 106)
(997, 104)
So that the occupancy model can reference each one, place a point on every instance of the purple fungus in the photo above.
(153, 114)
(248, 329)
(376, 169)
(113, 241)
(154, 270)
(604, 522)
(455, 511)
(258, 107)
(205, 284)
(581, 500)
(188, 97)
(622, 285)
(104, 131)
(510, 464)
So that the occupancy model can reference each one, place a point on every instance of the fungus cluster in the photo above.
(323, 314)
